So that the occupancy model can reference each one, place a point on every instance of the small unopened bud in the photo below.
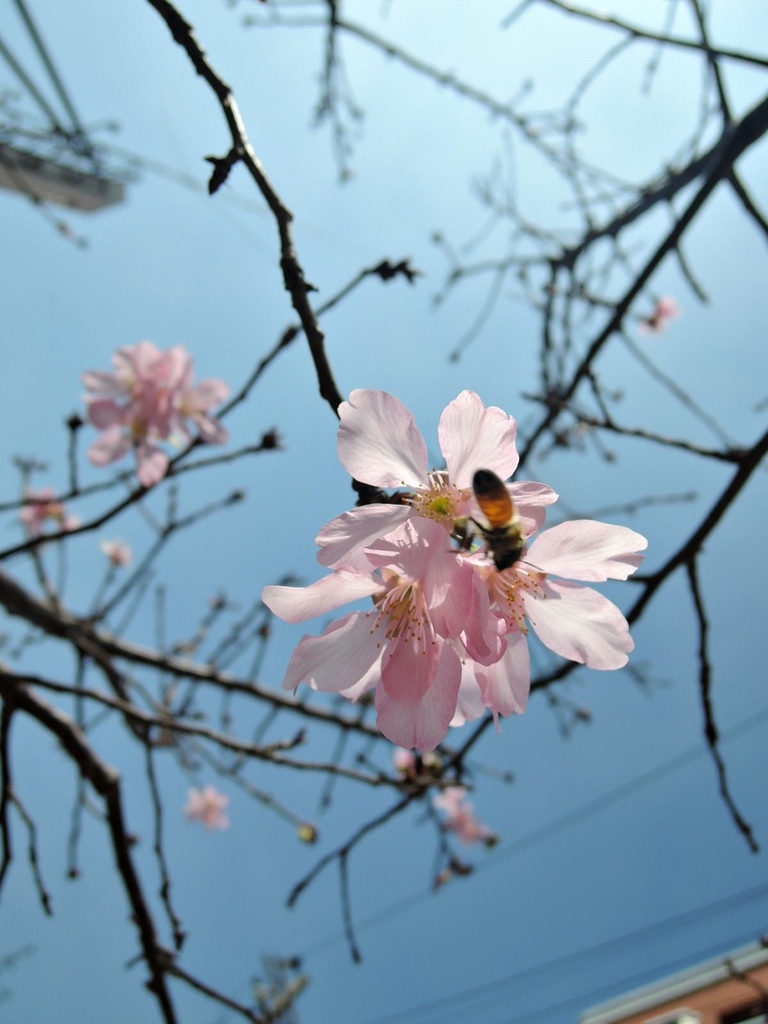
(270, 439)
(307, 833)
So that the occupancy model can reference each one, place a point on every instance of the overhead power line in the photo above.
(457, 1000)
(553, 828)
(582, 1000)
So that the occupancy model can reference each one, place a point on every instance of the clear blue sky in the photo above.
(607, 875)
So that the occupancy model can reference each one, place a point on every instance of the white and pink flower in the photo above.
(658, 319)
(429, 604)
(460, 817)
(117, 552)
(147, 399)
(42, 508)
(572, 620)
(446, 638)
(207, 805)
(379, 444)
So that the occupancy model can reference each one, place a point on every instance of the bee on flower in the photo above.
(446, 636)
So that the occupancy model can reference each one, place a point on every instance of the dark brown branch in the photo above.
(734, 143)
(344, 850)
(748, 203)
(694, 543)
(33, 856)
(717, 454)
(6, 790)
(179, 934)
(705, 691)
(19, 602)
(212, 993)
(346, 907)
(163, 722)
(106, 782)
(293, 274)
(640, 33)
(674, 181)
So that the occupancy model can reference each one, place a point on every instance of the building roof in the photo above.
(677, 986)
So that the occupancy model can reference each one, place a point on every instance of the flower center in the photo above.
(441, 502)
(507, 589)
(401, 611)
(138, 429)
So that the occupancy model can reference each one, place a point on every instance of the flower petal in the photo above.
(469, 704)
(110, 446)
(587, 550)
(104, 413)
(343, 540)
(410, 660)
(416, 717)
(529, 492)
(482, 632)
(297, 604)
(578, 623)
(335, 661)
(530, 500)
(505, 686)
(211, 430)
(411, 547)
(367, 681)
(100, 382)
(379, 442)
(456, 597)
(151, 464)
(474, 437)
(205, 395)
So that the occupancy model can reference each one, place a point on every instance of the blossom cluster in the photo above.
(117, 552)
(460, 817)
(446, 636)
(658, 319)
(42, 508)
(207, 805)
(147, 399)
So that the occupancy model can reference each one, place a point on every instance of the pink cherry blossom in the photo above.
(379, 444)
(404, 762)
(195, 402)
(666, 309)
(42, 508)
(460, 817)
(443, 650)
(574, 621)
(411, 765)
(117, 551)
(425, 595)
(207, 806)
(149, 398)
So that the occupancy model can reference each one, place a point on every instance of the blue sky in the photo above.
(628, 882)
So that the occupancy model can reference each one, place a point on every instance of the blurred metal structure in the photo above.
(50, 181)
(57, 162)
(275, 996)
